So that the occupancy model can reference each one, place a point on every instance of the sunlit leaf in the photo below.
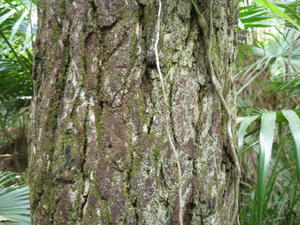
(276, 10)
(294, 123)
(244, 124)
(266, 138)
(14, 200)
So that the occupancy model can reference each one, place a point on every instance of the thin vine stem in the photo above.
(168, 117)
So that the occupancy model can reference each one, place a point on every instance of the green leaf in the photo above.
(266, 143)
(245, 122)
(294, 123)
(14, 200)
(17, 25)
(290, 10)
(6, 16)
(282, 118)
(273, 8)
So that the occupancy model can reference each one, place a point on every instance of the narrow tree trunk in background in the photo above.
(99, 151)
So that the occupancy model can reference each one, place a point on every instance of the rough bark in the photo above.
(99, 151)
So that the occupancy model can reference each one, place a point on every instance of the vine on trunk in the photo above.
(207, 32)
(168, 118)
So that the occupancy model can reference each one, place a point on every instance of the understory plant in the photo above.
(269, 124)
(14, 200)
(17, 28)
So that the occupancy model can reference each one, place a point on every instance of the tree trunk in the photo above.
(99, 149)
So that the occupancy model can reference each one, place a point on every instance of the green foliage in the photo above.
(278, 56)
(15, 48)
(274, 9)
(283, 50)
(294, 123)
(266, 14)
(17, 26)
(291, 86)
(270, 138)
(266, 142)
(254, 16)
(14, 200)
(265, 181)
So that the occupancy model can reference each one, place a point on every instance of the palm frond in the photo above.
(266, 179)
(14, 200)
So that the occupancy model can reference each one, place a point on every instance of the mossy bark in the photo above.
(99, 151)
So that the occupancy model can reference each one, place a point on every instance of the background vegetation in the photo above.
(268, 100)
(17, 28)
(268, 108)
